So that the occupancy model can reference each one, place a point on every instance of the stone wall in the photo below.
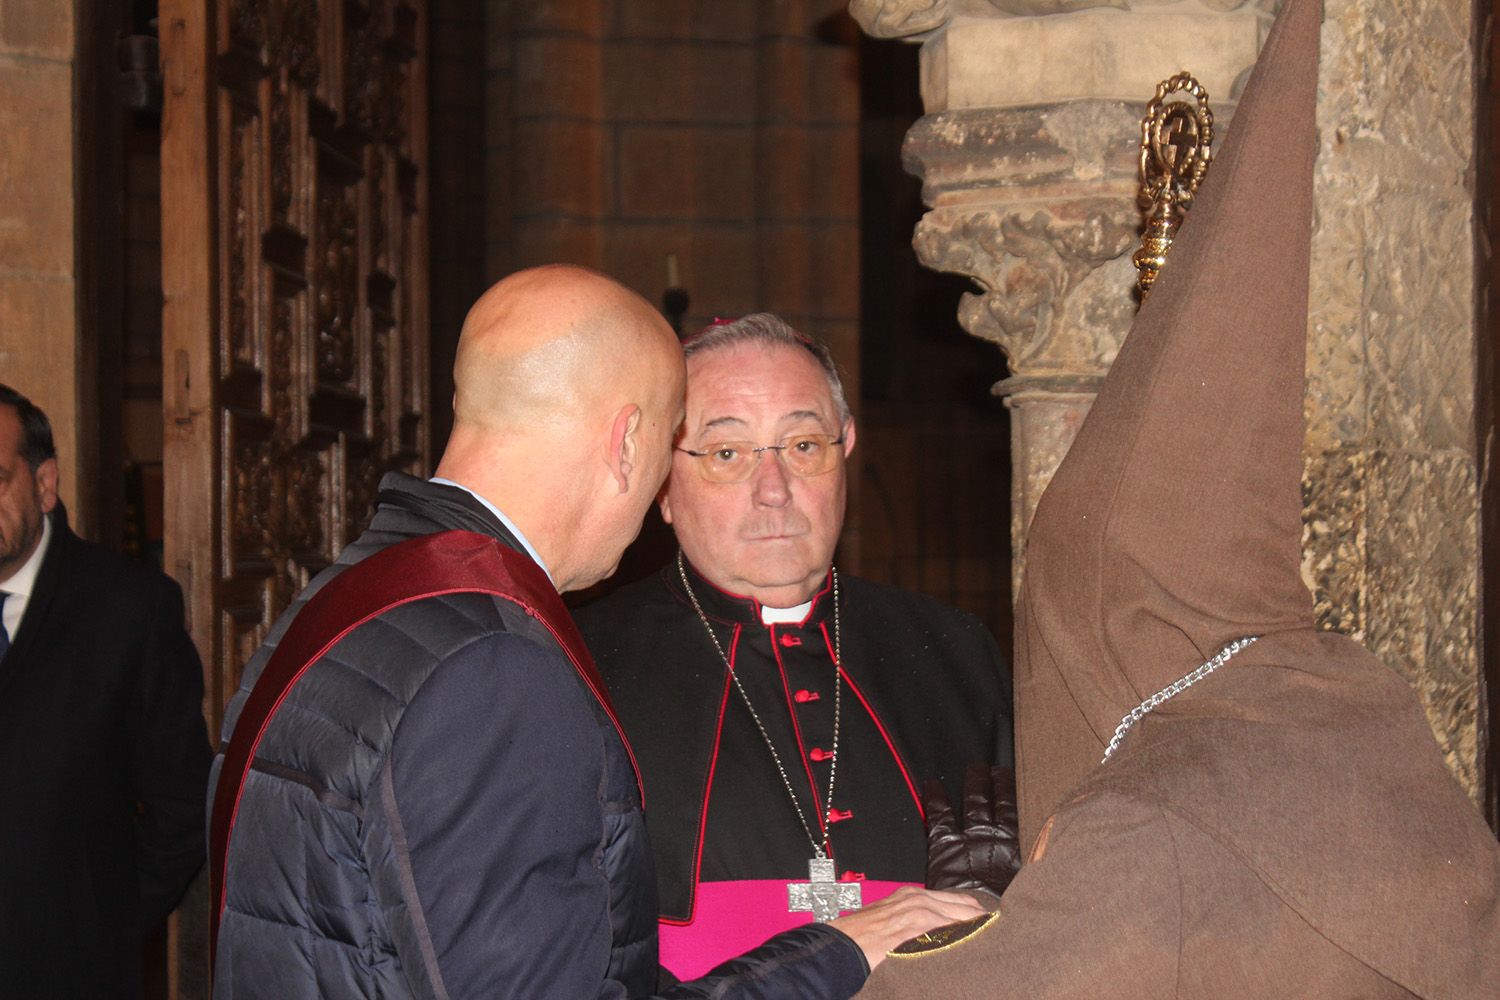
(721, 132)
(38, 271)
(1027, 158)
(1391, 493)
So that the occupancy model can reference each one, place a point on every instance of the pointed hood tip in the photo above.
(1190, 462)
(1201, 399)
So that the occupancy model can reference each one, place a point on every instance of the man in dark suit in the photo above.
(103, 751)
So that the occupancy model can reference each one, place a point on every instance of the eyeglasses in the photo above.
(803, 455)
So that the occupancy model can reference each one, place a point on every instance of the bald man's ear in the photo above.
(624, 445)
(848, 436)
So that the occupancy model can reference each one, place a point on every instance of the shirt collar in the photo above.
(737, 609)
(24, 580)
(500, 515)
(785, 616)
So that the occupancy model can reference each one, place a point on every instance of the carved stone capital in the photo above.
(1050, 279)
(1028, 156)
(1037, 206)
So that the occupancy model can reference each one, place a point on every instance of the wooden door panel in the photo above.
(295, 321)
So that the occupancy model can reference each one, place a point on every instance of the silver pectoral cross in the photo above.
(822, 894)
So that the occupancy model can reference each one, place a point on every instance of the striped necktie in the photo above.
(4, 635)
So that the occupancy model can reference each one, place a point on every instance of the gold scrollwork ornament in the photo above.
(943, 938)
(1176, 148)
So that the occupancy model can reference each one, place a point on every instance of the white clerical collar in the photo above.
(509, 524)
(24, 579)
(785, 616)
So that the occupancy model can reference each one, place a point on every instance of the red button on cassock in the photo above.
(819, 754)
(804, 696)
(790, 640)
(839, 815)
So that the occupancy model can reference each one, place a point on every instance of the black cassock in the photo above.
(924, 692)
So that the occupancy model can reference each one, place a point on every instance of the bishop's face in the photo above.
(771, 536)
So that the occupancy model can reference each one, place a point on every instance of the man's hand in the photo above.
(903, 915)
(984, 852)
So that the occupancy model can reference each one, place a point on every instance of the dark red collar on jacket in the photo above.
(426, 566)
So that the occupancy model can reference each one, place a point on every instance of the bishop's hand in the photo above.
(983, 851)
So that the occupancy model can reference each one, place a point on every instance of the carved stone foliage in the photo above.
(1335, 538)
(1392, 501)
(1037, 206)
(1034, 267)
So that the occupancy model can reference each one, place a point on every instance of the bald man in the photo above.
(424, 792)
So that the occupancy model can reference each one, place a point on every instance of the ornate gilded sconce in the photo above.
(1176, 148)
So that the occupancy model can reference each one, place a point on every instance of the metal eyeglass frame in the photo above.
(757, 451)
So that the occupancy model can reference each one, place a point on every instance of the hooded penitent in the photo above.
(1173, 527)
(1174, 524)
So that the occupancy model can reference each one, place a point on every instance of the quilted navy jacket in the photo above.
(441, 809)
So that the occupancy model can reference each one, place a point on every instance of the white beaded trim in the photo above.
(1173, 690)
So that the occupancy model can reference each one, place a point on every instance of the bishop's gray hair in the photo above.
(770, 329)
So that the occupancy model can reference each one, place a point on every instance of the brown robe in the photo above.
(1286, 826)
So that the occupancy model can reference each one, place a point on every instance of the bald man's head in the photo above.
(568, 390)
(551, 344)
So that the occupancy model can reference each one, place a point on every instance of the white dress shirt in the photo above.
(509, 524)
(18, 588)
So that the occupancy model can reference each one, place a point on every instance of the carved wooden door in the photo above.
(294, 269)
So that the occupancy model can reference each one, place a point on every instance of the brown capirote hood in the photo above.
(1173, 527)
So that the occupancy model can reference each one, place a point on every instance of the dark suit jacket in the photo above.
(103, 769)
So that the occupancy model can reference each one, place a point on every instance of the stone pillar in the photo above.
(1028, 160)
(39, 281)
(1027, 154)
